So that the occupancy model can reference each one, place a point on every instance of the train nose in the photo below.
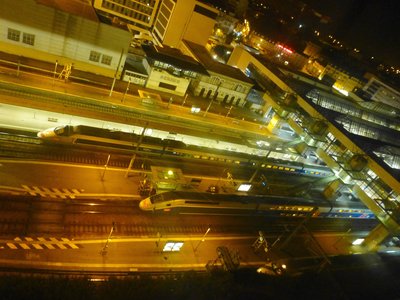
(141, 204)
(144, 204)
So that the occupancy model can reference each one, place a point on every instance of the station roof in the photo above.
(212, 65)
(174, 57)
(367, 144)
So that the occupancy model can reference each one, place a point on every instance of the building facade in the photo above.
(179, 20)
(138, 13)
(378, 91)
(225, 84)
(56, 36)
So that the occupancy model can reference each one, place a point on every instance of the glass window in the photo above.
(94, 56)
(13, 34)
(28, 39)
(106, 59)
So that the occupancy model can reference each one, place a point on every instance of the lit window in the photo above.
(13, 34)
(106, 59)
(94, 56)
(28, 39)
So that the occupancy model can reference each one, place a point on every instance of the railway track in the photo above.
(26, 147)
(94, 218)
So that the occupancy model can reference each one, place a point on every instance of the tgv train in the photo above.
(232, 204)
(87, 135)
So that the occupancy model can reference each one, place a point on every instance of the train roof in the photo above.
(261, 199)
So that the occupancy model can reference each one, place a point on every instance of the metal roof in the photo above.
(210, 64)
(173, 57)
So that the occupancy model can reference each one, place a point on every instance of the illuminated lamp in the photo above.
(244, 187)
(358, 242)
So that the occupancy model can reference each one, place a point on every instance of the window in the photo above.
(106, 59)
(167, 86)
(13, 34)
(28, 39)
(94, 56)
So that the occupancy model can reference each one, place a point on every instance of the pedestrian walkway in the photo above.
(40, 243)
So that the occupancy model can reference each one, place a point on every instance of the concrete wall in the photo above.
(158, 78)
(61, 36)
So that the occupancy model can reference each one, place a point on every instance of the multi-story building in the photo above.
(378, 91)
(225, 84)
(169, 70)
(179, 20)
(138, 13)
(344, 81)
(167, 21)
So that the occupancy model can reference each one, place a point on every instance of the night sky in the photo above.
(371, 25)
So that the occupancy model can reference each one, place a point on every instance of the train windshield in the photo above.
(61, 130)
(156, 198)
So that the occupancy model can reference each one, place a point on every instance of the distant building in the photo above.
(169, 70)
(167, 21)
(343, 80)
(66, 34)
(184, 20)
(225, 83)
(378, 91)
(139, 14)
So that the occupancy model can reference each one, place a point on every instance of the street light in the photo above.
(116, 72)
(184, 100)
(202, 239)
(105, 167)
(127, 89)
(55, 71)
(170, 101)
(104, 250)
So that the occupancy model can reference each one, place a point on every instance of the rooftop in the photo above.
(210, 64)
(82, 8)
(174, 57)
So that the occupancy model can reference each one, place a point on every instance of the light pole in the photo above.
(127, 89)
(184, 100)
(55, 71)
(202, 239)
(116, 72)
(229, 111)
(213, 98)
(136, 149)
(105, 167)
(170, 101)
(104, 250)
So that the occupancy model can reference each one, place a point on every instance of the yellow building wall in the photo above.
(156, 77)
(61, 60)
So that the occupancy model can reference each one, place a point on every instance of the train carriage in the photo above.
(233, 204)
(100, 137)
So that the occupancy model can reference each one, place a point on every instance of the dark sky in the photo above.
(371, 25)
